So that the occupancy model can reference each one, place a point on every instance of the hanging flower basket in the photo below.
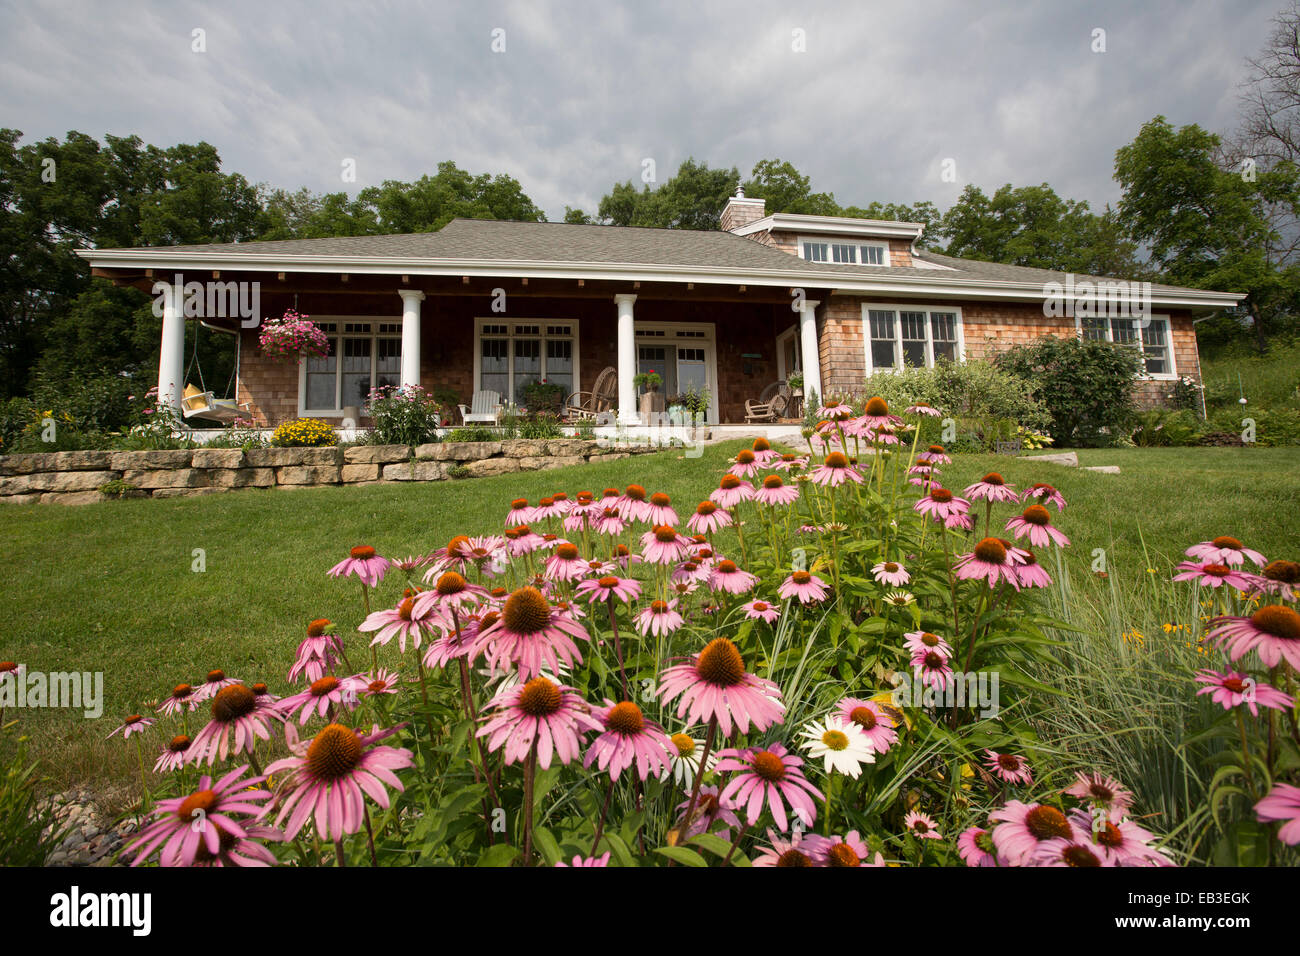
(292, 337)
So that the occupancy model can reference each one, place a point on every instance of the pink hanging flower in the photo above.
(1008, 767)
(1273, 631)
(1212, 574)
(708, 518)
(992, 487)
(726, 576)
(731, 491)
(835, 470)
(659, 619)
(890, 573)
(774, 492)
(1282, 803)
(761, 610)
(609, 586)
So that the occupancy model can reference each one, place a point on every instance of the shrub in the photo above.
(117, 488)
(543, 395)
(303, 433)
(404, 416)
(1085, 386)
(1159, 427)
(241, 433)
(472, 433)
(531, 425)
(458, 471)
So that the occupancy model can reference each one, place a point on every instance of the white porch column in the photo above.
(171, 358)
(411, 299)
(627, 409)
(808, 352)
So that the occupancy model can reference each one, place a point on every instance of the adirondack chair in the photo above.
(771, 405)
(585, 406)
(483, 407)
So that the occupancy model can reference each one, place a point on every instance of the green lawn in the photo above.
(110, 587)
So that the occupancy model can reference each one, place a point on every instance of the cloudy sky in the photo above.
(879, 96)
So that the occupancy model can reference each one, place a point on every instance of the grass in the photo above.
(1268, 381)
(111, 587)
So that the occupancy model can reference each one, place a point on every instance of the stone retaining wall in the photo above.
(75, 477)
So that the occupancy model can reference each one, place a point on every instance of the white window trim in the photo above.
(708, 343)
(374, 321)
(511, 322)
(896, 308)
(1172, 374)
(846, 241)
(790, 334)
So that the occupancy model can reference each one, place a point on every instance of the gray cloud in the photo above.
(1011, 91)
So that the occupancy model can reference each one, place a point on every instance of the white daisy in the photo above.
(843, 745)
(686, 759)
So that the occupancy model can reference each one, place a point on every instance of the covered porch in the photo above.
(458, 335)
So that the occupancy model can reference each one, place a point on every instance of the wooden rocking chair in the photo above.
(587, 406)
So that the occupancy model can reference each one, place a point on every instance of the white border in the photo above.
(373, 321)
(895, 307)
(1172, 374)
(514, 320)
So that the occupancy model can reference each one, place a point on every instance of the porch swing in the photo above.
(199, 402)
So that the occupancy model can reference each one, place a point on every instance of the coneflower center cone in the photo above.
(793, 858)
(362, 552)
(625, 718)
(841, 854)
(660, 499)
(527, 611)
(179, 743)
(769, 766)
(992, 551)
(191, 806)
(334, 753)
(1037, 514)
(1225, 542)
(729, 482)
(233, 702)
(451, 583)
(864, 717)
(1047, 822)
(317, 627)
(1008, 763)
(993, 478)
(720, 663)
(566, 551)
(801, 577)
(684, 744)
(837, 460)
(877, 406)
(540, 698)
(744, 457)
(324, 686)
(835, 740)
(1279, 621)
(772, 482)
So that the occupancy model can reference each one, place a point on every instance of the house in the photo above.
(496, 305)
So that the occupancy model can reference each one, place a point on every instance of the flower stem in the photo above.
(530, 771)
(699, 774)
(600, 824)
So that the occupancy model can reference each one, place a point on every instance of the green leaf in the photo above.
(503, 854)
(545, 841)
(682, 855)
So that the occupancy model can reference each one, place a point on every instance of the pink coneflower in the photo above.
(529, 635)
(1036, 523)
(486, 552)
(173, 755)
(836, 411)
(848, 850)
(412, 619)
(412, 563)
(761, 610)
(451, 591)
(451, 645)
(214, 683)
(182, 826)
(521, 512)
(1031, 574)
(934, 455)
(1211, 574)
(364, 563)
(1282, 803)
(789, 461)
(992, 487)
(1281, 578)
(609, 586)
(565, 563)
(975, 847)
(318, 652)
(235, 708)
(629, 737)
(323, 695)
(921, 826)
(1008, 767)
(920, 408)
(708, 518)
(891, 573)
(715, 685)
(923, 475)
(764, 453)
(1023, 827)
(710, 808)
(941, 505)
(382, 681)
(921, 642)
(632, 504)
(932, 668)
(659, 510)
(658, 619)
(1273, 631)
(873, 719)
(731, 491)
(834, 471)
(609, 521)
(183, 699)
(992, 561)
(1232, 689)
(135, 724)
(663, 545)
(807, 587)
(540, 712)
(1119, 842)
(1067, 851)
(1100, 789)
(691, 572)
(726, 576)
(602, 860)
(799, 850)
(1224, 550)
(772, 777)
(522, 540)
(328, 779)
(1043, 493)
(745, 464)
(773, 491)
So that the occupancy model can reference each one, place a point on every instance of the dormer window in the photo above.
(845, 253)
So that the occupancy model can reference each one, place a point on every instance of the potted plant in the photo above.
(650, 380)
(541, 396)
(795, 381)
(292, 337)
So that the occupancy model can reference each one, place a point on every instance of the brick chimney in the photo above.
(740, 211)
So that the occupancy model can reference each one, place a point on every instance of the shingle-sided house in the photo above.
(491, 305)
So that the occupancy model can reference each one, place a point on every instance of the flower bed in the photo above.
(828, 662)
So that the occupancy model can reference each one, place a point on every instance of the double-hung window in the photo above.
(363, 355)
(1150, 338)
(511, 355)
(910, 336)
(845, 253)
